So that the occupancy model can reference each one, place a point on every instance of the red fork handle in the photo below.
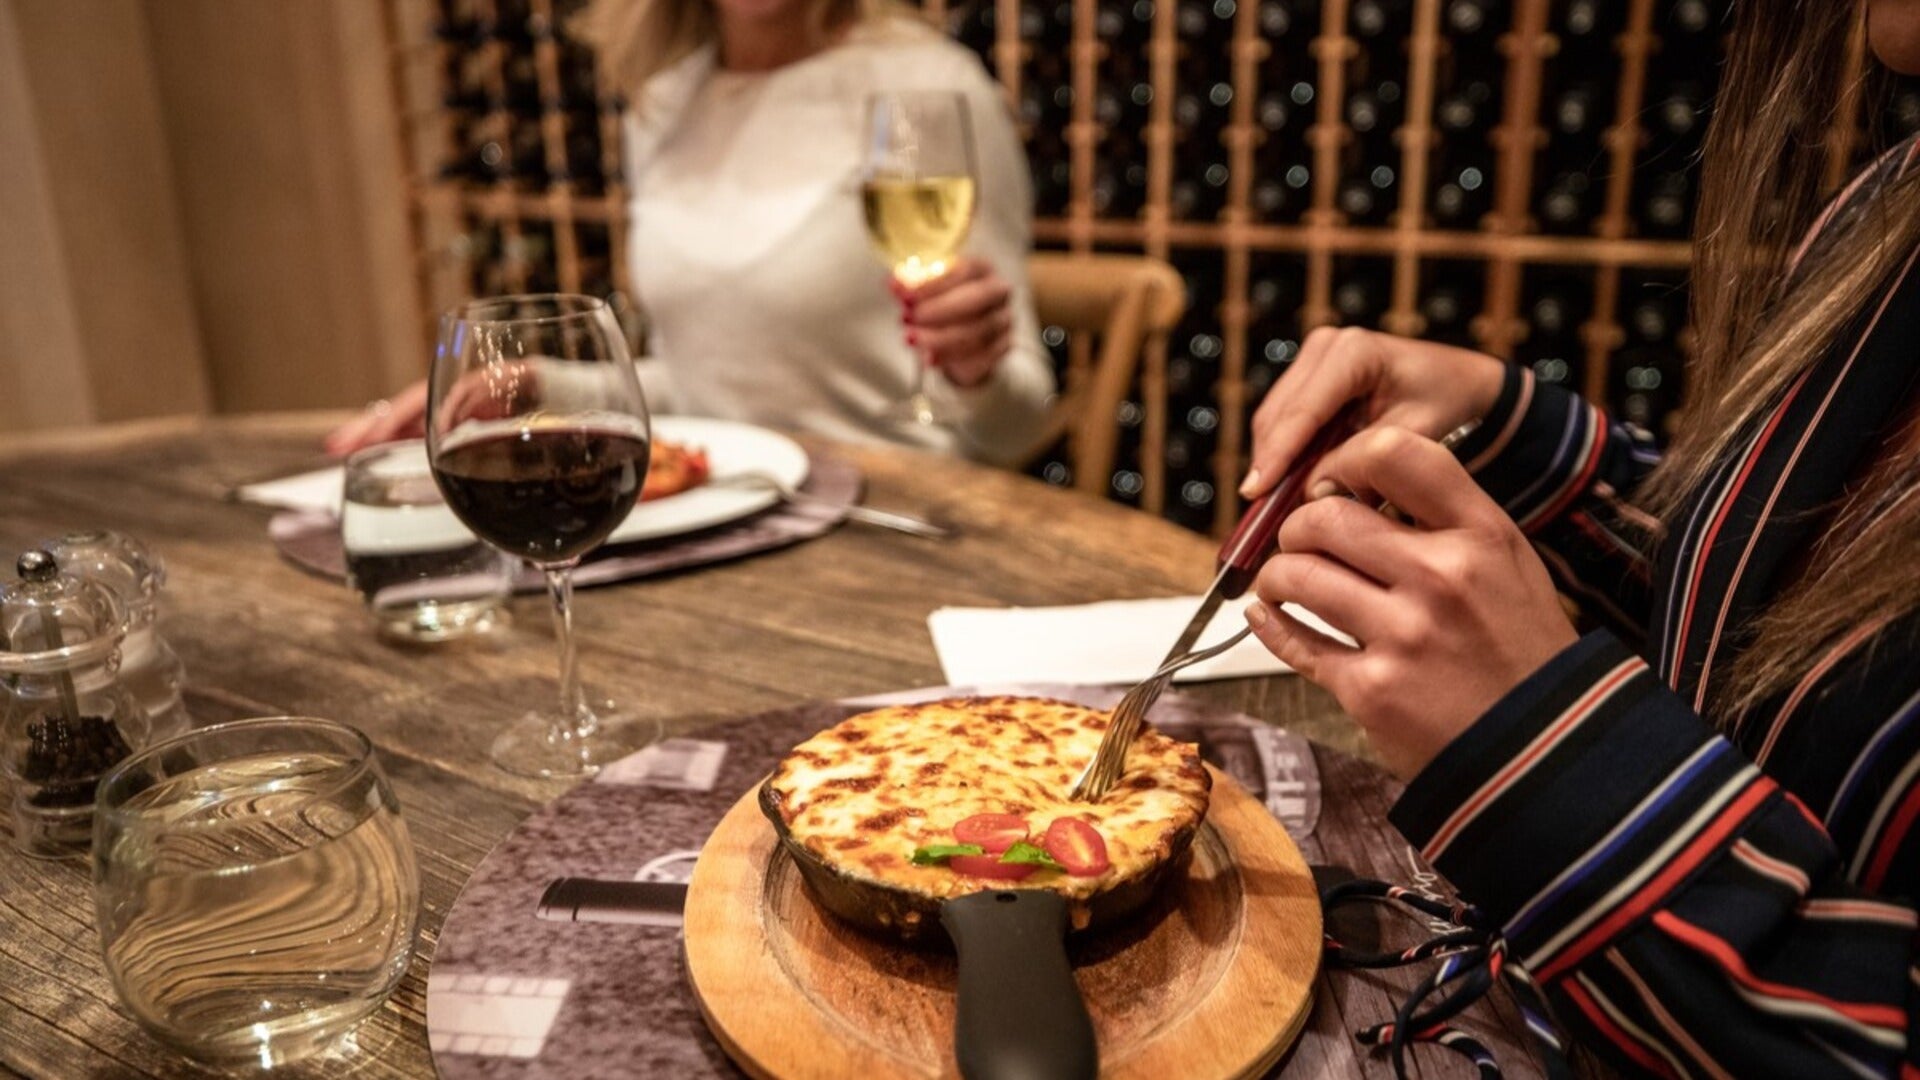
(1253, 539)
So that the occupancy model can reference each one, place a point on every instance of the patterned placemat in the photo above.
(592, 988)
(311, 541)
(513, 994)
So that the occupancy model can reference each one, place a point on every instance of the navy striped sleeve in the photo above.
(1687, 915)
(1566, 476)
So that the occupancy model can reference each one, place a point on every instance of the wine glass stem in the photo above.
(918, 401)
(573, 722)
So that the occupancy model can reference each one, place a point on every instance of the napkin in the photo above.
(1114, 641)
(314, 491)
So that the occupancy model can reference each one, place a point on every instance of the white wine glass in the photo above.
(255, 890)
(918, 189)
(539, 438)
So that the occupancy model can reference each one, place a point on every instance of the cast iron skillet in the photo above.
(1018, 1014)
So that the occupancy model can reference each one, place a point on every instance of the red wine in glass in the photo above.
(539, 437)
(548, 495)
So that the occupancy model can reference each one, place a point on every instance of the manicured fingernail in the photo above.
(1256, 615)
(1322, 489)
(1251, 483)
(913, 337)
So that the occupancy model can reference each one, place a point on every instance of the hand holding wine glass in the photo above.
(539, 438)
(918, 195)
(962, 321)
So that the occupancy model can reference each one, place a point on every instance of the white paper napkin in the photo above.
(318, 490)
(1115, 641)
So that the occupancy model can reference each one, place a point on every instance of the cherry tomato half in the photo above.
(989, 866)
(1077, 846)
(994, 833)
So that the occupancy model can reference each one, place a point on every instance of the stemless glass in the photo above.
(539, 439)
(255, 889)
(918, 194)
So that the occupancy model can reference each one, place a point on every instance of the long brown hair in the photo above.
(1761, 190)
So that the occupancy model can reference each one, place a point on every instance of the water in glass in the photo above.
(423, 574)
(254, 908)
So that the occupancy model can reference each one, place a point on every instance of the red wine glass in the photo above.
(538, 436)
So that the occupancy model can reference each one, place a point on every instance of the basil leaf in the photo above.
(1025, 854)
(935, 854)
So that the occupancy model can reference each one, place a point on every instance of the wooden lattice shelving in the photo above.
(1201, 86)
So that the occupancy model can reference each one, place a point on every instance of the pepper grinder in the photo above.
(149, 668)
(66, 719)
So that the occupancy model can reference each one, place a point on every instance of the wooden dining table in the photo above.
(842, 616)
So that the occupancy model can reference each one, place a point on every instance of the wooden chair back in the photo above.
(1127, 304)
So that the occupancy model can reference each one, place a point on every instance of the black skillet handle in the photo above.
(1019, 1016)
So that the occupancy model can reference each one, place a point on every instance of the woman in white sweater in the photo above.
(765, 302)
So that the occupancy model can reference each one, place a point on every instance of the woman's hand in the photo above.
(403, 416)
(961, 321)
(488, 393)
(1450, 611)
(1429, 389)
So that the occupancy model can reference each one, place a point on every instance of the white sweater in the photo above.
(751, 259)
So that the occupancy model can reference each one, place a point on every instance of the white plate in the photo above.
(732, 449)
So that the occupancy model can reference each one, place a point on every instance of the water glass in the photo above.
(255, 889)
(423, 574)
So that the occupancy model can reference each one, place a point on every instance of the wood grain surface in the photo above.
(842, 616)
(1211, 982)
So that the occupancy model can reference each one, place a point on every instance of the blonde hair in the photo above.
(1760, 192)
(634, 40)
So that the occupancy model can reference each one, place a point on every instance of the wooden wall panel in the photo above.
(204, 207)
(292, 196)
(101, 215)
(43, 376)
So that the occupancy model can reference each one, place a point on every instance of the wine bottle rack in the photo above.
(1515, 176)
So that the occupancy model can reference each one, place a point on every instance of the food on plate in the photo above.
(946, 798)
(674, 468)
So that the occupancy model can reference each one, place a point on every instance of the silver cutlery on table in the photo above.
(885, 519)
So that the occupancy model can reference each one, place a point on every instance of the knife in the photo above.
(1247, 547)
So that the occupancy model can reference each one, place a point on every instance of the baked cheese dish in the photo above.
(866, 795)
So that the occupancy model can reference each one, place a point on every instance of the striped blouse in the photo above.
(1699, 904)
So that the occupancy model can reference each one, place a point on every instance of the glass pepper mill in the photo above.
(149, 668)
(67, 719)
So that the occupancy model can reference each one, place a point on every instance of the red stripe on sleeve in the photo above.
(1628, 1044)
(1724, 954)
(1548, 739)
(1891, 839)
(1578, 485)
(1705, 547)
(1656, 890)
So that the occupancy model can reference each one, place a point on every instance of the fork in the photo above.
(885, 519)
(1110, 760)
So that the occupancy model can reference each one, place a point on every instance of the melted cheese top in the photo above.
(865, 793)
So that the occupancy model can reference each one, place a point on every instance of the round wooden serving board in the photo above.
(1215, 979)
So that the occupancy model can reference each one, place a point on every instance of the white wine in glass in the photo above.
(918, 195)
(918, 225)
